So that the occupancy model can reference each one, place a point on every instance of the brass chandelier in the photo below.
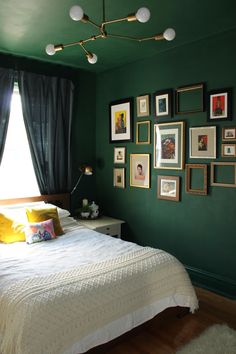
(77, 14)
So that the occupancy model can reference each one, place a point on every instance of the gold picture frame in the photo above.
(168, 188)
(213, 174)
(228, 133)
(139, 141)
(189, 171)
(202, 142)
(140, 170)
(185, 95)
(119, 177)
(228, 150)
(119, 154)
(143, 107)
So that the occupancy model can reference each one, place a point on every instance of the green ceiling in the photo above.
(27, 26)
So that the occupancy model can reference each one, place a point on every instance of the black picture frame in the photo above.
(219, 105)
(163, 106)
(121, 120)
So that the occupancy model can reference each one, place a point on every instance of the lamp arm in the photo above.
(77, 183)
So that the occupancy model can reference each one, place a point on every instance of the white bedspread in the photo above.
(59, 309)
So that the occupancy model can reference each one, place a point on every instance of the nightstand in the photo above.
(104, 224)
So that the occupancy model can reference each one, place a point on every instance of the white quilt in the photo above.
(49, 312)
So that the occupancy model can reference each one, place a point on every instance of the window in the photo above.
(17, 177)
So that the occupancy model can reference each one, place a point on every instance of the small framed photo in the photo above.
(196, 179)
(121, 120)
(228, 134)
(228, 150)
(140, 170)
(163, 103)
(168, 188)
(119, 177)
(169, 145)
(220, 105)
(190, 99)
(202, 142)
(143, 132)
(119, 154)
(143, 106)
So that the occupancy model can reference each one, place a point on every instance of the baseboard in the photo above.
(213, 282)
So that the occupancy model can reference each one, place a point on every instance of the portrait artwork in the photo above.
(139, 170)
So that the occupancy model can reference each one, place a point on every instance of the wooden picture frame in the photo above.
(202, 142)
(228, 150)
(140, 170)
(119, 177)
(139, 140)
(188, 185)
(169, 145)
(168, 188)
(228, 133)
(190, 99)
(219, 105)
(213, 174)
(143, 106)
(163, 103)
(119, 154)
(121, 120)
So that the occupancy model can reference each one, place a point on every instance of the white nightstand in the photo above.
(104, 224)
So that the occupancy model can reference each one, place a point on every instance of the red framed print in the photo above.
(220, 104)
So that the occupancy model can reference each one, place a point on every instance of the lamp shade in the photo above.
(87, 170)
(76, 13)
(169, 34)
(143, 14)
(50, 49)
(92, 58)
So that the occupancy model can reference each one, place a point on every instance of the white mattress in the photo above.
(79, 246)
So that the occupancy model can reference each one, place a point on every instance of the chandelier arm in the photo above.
(156, 37)
(93, 24)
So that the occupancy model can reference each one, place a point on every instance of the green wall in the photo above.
(198, 230)
(83, 123)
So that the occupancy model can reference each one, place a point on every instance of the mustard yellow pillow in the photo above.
(10, 230)
(38, 215)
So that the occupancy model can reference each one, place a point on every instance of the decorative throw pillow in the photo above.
(39, 231)
(10, 230)
(38, 215)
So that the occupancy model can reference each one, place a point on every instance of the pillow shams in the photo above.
(38, 215)
(39, 231)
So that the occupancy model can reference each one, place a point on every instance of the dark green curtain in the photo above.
(47, 111)
(6, 89)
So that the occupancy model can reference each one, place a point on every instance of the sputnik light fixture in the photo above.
(77, 14)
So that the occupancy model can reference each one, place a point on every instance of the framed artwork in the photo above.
(228, 134)
(143, 106)
(140, 170)
(143, 132)
(223, 174)
(202, 142)
(228, 150)
(163, 103)
(190, 99)
(168, 188)
(220, 104)
(119, 177)
(196, 179)
(119, 154)
(121, 120)
(169, 145)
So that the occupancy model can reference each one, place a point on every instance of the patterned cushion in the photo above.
(38, 215)
(39, 231)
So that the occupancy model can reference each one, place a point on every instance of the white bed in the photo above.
(48, 291)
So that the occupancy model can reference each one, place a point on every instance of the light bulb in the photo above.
(50, 49)
(169, 34)
(143, 14)
(76, 13)
(92, 58)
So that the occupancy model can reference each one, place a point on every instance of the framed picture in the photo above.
(143, 132)
(163, 103)
(228, 134)
(143, 106)
(119, 177)
(169, 145)
(220, 104)
(190, 99)
(121, 120)
(202, 142)
(228, 150)
(196, 179)
(140, 170)
(168, 188)
(119, 154)
(223, 174)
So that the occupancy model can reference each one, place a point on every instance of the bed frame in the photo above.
(61, 200)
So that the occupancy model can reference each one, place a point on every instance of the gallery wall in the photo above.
(198, 230)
